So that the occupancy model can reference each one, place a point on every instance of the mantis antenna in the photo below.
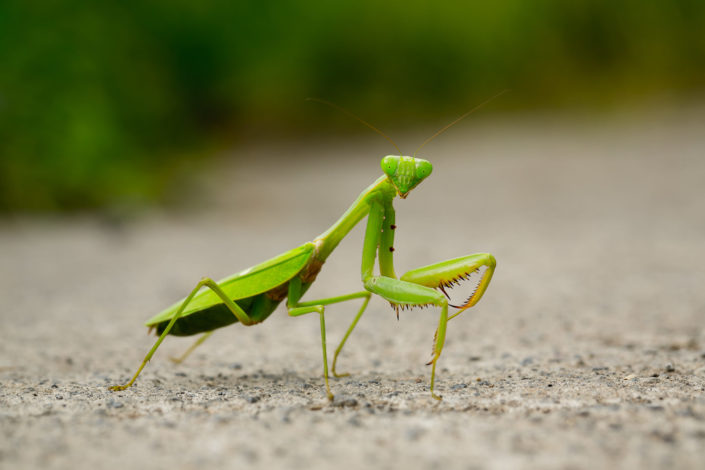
(459, 119)
(348, 113)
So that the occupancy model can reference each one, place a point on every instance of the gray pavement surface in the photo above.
(588, 350)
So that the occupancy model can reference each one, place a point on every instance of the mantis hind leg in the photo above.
(187, 353)
(205, 282)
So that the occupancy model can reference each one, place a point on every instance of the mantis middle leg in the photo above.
(297, 308)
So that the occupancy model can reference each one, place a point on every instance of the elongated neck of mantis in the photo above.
(381, 190)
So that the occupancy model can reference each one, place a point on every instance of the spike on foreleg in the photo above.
(406, 306)
(396, 308)
(458, 280)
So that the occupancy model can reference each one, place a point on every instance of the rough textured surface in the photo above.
(588, 350)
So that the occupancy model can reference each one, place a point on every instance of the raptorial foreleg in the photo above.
(448, 274)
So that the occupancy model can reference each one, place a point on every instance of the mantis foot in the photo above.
(433, 375)
(332, 369)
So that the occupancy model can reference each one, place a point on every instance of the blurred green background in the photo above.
(107, 104)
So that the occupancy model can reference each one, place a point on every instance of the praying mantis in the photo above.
(252, 295)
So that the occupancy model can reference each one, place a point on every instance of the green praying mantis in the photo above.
(252, 295)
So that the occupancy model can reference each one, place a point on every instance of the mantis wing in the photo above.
(247, 283)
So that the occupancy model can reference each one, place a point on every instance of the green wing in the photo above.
(251, 281)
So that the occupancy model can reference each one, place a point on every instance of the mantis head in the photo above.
(405, 173)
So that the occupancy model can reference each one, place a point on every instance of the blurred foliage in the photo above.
(110, 103)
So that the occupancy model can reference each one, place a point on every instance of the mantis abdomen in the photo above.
(258, 307)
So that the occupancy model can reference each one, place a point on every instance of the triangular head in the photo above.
(405, 173)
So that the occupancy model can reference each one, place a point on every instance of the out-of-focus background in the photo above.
(116, 105)
(144, 145)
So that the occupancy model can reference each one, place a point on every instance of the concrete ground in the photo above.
(588, 350)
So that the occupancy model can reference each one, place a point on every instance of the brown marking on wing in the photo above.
(278, 293)
(308, 274)
(310, 271)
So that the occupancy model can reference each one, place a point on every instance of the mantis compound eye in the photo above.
(423, 168)
(390, 164)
